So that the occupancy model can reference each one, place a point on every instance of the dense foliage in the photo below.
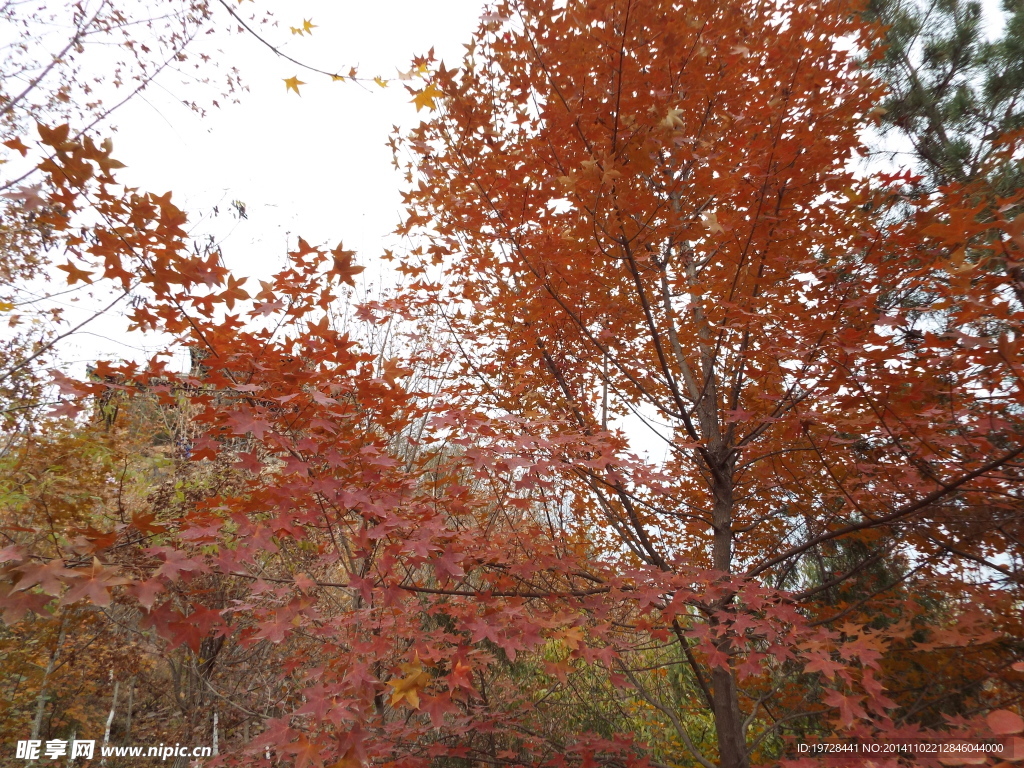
(630, 223)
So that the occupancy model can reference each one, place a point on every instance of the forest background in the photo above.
(680, 424)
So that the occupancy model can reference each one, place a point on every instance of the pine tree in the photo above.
(955, 95)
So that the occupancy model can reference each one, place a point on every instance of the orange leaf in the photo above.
(1003, 721)
(15, 143)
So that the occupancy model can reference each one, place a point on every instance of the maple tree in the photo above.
(75, 64)
(641, 208)
(447, 551)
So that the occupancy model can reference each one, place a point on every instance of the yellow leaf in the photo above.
(710, 220)
(417, 71)
(958, 261)
(408, 687)
(296, 31)
(425, 98)
(380, 81)
(348, 760)
(337, 78)
(292, 84)
(6, 306)
(853, 195)
(308, 26)
(572, 637)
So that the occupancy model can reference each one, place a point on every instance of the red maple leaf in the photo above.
(447, 565)
(95, 584)
(243, 422)
(50, 577)
(146, 592)
(175, 561)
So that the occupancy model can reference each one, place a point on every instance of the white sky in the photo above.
(314, 165)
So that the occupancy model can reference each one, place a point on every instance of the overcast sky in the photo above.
(314, 165)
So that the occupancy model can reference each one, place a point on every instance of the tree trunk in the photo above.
(732, 746)
(37, 722)
(110, 719)
(128, 714)
(732, 742)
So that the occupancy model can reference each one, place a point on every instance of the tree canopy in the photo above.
(679, 441)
